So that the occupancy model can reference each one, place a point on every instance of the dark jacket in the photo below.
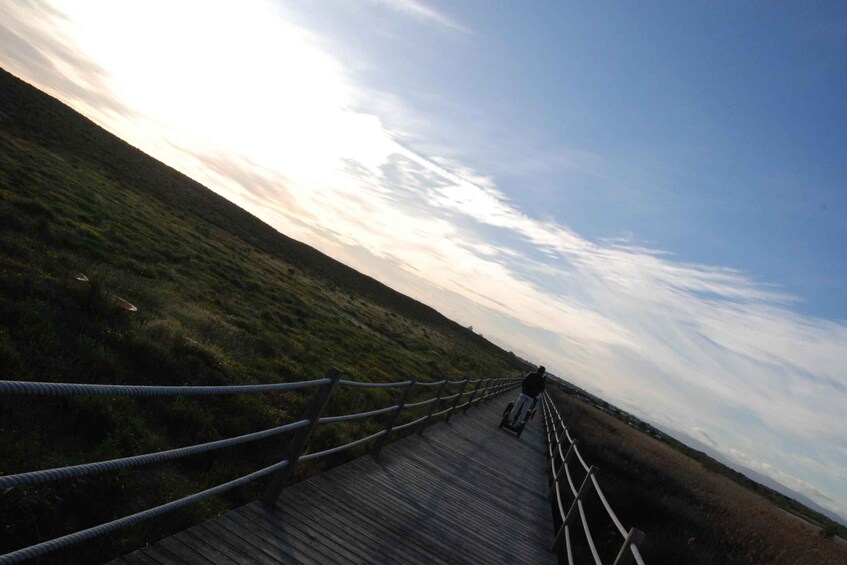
(533, 384)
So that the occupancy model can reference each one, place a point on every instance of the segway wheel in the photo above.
(506, 413)
(520, 431)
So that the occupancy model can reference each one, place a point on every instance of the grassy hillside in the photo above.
(690, 507)
(90, 225)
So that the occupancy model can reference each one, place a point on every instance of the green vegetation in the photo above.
(90, 225)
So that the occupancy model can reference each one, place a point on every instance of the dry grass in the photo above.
(690, 514)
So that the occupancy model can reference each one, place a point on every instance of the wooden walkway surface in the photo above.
(465, 492)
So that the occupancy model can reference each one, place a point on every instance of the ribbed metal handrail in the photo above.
(301, 426)
(359, 416)
(421, 403)
(64, 541)
(410, 424)
(35, 477)
(442, 412)
(432, 383)
(360, 384)
(68, 389)
(341, 448)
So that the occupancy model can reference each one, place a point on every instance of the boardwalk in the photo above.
(466, 492)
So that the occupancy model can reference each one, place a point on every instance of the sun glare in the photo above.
(232, 78)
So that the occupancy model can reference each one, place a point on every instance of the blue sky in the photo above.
(649, 199)
(714, 132)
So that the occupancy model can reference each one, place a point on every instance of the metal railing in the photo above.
(480, 391)
(557, 435)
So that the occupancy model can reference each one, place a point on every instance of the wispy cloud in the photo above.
(421, 11)
(291, 137)
(34, 45)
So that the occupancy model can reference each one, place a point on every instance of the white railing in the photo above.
(557, 436)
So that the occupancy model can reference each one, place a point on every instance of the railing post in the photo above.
(392, 419)
(494, 390)
(558, 441)
(473, 394)
(458, 398)
(498, 390)
(432, 407)
(583, 490)
(561, 470)
(634, 537)
(298, 442)
(482, 397)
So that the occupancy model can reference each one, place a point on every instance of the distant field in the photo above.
(117, 269)
(692, 513)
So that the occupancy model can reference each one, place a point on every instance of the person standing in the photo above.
(532, 388)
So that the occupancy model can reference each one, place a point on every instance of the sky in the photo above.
(650, 199)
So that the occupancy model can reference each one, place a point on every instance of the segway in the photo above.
(518, 426)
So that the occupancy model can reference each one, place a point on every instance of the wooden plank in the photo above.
(339, 533)
(442, 531)
(207, 551)
(500, 525)
(185, 553)
(259, 550)
(443, 521)
(220, 547)
(261, 518)
(140, 557)
(464, 492)
(392, 528)
(498, 494)
(161, 555)
(480, 497)
(543, 508)
(284, 536)
(359, 522)
(221, 533)
(485, 509)
(402, 525)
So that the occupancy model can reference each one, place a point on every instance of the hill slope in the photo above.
(32, 115)
(115, 268)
